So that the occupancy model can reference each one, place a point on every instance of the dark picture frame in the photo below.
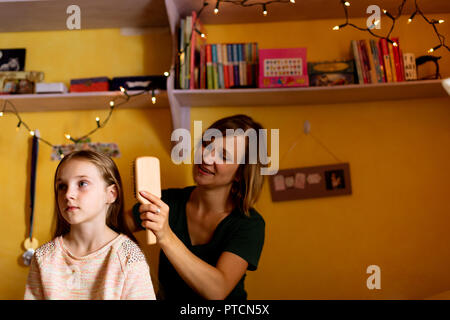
(311, 182)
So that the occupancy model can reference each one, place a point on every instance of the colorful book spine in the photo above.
(187, 71)
(392, 59)
(182, 54)
(225, 65)
(386, 60)
(364, 62)
(209, 67)
(381, 61)
(202, 84)
(214, 62)
(357, 61)
(220, 75)
(236, 65)
(373, 72)
(397, 60)
(230, 65)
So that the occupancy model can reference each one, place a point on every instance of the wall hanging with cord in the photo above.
(30, 244)
(311, 182)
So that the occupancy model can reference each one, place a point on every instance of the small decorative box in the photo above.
(89, 84)
(139, 83)
(283, 68)
(56, 87)
(331, 73)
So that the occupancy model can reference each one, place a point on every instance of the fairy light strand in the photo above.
(8, 107)
(417, 11)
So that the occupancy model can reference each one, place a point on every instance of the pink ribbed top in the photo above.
(116, 271)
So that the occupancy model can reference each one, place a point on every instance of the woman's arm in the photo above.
(211, 282)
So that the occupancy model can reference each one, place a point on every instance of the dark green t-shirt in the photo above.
(236, 233)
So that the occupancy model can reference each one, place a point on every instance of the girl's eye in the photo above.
(82, 183)
(61, 186)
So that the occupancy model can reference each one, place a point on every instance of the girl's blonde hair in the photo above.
(247, 187)
(115, 218)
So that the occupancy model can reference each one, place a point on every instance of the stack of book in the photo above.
(229, 65)
(378, 62)
(213, 66)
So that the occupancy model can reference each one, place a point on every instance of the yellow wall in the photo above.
(396, 218)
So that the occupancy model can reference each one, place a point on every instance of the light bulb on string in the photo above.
(434, 49)
(292, 1)
(153, 96)
(166, 73)
(32, 133)
(264, 9)
(216, 10)
(347, 4)
(97, 119)
(1, 113)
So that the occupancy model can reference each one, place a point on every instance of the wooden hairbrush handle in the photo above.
(147, 178)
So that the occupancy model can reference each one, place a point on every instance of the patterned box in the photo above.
(283, 68)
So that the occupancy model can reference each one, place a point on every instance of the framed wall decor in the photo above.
(311, 182)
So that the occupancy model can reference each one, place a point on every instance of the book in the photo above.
(209, 68)
(182, 54)
(364, 62)
(376, 62)
(225, 65)
(386, 60)
(235, 65)
(392, 59)
(214, 64)
(187, 64)
(230, 65)
(220, 75)
(196, 43)
(357, 61)
(397, 60)
(373, 72)
(202, 82)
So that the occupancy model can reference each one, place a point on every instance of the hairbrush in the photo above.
(147, 178)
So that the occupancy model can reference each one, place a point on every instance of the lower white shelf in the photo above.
(81, 101)
(311, 95)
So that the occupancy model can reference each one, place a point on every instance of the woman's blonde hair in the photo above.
(249, 181)
(115, 218)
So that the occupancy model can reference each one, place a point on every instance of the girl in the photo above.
(92, 255)
(209, 234)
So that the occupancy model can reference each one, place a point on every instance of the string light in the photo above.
(264, 9)
(166, 73)
(394, 19)
(216, 10)
(153, 96)
(347, 4)
(67, 135)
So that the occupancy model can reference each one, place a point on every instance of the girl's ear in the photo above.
(111, 193)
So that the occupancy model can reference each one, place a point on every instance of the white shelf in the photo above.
(311, 95)
(81, 101)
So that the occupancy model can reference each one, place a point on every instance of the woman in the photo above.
(210, 234)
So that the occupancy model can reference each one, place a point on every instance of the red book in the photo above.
(386, 60)
(364, 62)
(397, 61)
(226, 76)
